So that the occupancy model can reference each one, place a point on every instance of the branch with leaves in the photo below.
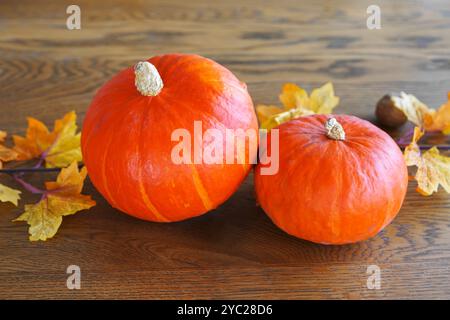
(297, 103)
(56, 150)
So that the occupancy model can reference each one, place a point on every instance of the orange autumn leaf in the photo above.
(433, 169)
(421, 115)
(58, 147)
(439, 120)
(297, 103)
(63, 197)
(264, 112)
(6, 154)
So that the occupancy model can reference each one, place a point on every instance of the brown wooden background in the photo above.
(234, 252)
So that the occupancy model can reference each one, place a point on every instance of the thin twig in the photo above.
(39, 163)
(32, 169)
(19, 170)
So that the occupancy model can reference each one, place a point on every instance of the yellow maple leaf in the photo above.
(297, 103)
(292, 96)
(323, 100)
(9, 195)
(63, 197)
(66, 147)
(6, 154)
(58, 148)
(421, 115)
(433, 169)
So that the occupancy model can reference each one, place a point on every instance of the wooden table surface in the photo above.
(235, 251)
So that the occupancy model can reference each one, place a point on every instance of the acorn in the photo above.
(388, 114)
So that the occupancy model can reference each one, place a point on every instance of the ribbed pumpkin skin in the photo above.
(126, 139)
(329, 191)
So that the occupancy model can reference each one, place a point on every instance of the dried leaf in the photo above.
(265, 112)
(277, 119)
(439, 120)
(433, 169)
(413, 108)
(297, 103)
(66, 146)
(58, 148)
(62, 198)
(421, 115)
(292, 96)
(412, 151)
(9, 195)
(6, 154)
(323, 100)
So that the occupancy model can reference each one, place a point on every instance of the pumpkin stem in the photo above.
(148, 81)
(334, 129)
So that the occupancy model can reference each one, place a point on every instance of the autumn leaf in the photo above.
(297, 103)
(323, 100)
(421, 115)
(433, 169)
(279, 118)
(292, 96)
(9, 195)
(62, 197)
(265, 112)
(412, 152)
(58, 148)
(6, 154)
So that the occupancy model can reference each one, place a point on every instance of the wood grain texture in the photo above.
(235, 251)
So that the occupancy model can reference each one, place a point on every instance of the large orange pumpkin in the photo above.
(127, 136)
(340, 179)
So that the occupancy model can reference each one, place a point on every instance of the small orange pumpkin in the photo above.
(340, 179)
(127, 136)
